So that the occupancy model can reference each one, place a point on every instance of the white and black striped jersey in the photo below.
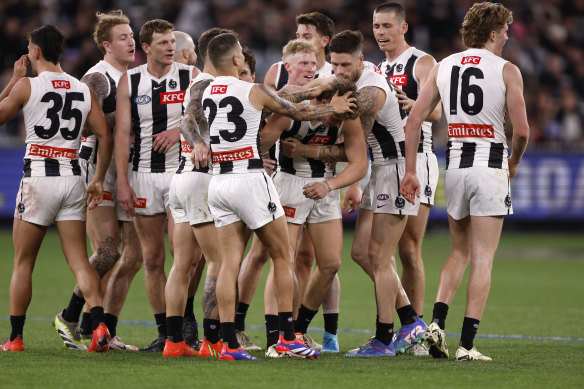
(402, 72)
(89, 145)
(282, 75)
(156, 107)
(54, 116)
(473, 98)
(234, 125)
(308, 134)
(185, 164)
(386, 142)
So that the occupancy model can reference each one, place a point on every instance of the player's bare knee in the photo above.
(153, 263)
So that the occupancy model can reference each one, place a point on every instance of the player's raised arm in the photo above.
(517, 114)
(18, 73)
(14, 100)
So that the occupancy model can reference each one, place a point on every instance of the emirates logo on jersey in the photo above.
(289, 211)
(474, 60)
(399, 80)
(185, 147)
(51, 152)
(465, 130)
(61, 84)
(320, 140)
(218, 89)
(233, 155)
(172, 97)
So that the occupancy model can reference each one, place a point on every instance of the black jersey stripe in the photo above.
(283, 79)
(385, 140)
(75, 167)
(85, 152)
(467, 154)
(136, 129)
(52, 167)
(496, 155)
(109, 103)
(159, 124)
(448, 147)
(411, 89)
(225, 167)
(26, 171)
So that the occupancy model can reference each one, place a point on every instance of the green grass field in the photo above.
(536, 295)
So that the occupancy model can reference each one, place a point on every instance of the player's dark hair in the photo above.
(220, 47)
(51, 41)
(323, 24)
(206, 37)
(250, 59)
(342, 86)
(480, 20)
(350, 42)
(390, 6)
(156, 25)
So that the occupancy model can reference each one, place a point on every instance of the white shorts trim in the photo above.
(298, 208)
(250, 198)
(151, 190)
(188, 198)
(66, 199)
(477, 191)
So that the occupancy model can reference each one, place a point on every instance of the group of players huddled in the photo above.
(208, 157)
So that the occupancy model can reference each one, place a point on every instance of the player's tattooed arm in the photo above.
(293, 148)
(294, 95)
(370, 100)
(100, 87)
(339, 104)
(194, 125)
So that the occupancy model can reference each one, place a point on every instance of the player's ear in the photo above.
(106, 46)
(287, 66)
(405, 28)
(146, 48)
(325, 41)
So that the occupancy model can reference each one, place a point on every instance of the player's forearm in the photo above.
(519, 145)
(353, 172)
(300, 95)
(326, 153)
(412, 141)
(122, 155)
(8, 88)
(104, 154)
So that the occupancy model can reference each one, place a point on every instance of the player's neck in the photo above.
(391, 55)
(45, 66)
(208, 68)
(230, 71)
(157, 69)
(490, 46)
(320, 60)
(121, 66)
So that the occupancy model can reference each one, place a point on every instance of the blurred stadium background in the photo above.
(546, 41)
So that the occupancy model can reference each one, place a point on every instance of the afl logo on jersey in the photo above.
(382, 197)
(141, 100)
(172, 84)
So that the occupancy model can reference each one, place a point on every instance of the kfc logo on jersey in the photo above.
(172, 97)
(61, 84)
(234, 155)
(218, 89)
(140, 203)
(320, 140)
(399, 80)
(289, 211)
(465, 130)
(472, 60)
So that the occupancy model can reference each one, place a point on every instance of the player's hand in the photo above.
(405, 102)
(201, 155)
(164, 140)
(127, 199)
(344, 103)
(353, 198)
(315, 191)
(269, 165)
(512, 168)
(410, 187)
(94, 194)
(292, 147)
(20, 67)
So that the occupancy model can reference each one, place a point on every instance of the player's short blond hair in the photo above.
(480, 20)
(104, 25)
(297, 46)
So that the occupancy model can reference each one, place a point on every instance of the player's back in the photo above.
(386, 141)
(473, 92)
(233, 125)
(54, 116)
